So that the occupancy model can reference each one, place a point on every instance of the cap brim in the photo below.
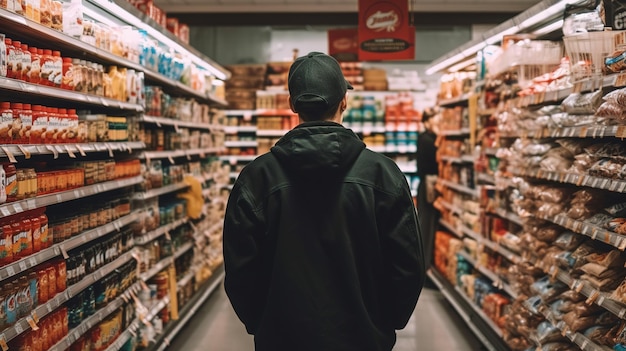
(349, 86)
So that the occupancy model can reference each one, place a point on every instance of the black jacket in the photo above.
(322, 246)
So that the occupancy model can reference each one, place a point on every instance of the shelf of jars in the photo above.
(100, 315)
(28, 322)
(163, 121)
(19, 206)
(40, 91)
(82, 149)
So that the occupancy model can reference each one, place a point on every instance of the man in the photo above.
(427, 170)
(321, 239)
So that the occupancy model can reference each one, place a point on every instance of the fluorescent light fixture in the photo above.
(129, 18)
(494, 39)
(461, 65)
(549, 28)
(546, 11)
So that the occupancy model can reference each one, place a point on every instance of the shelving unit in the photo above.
(24, 155)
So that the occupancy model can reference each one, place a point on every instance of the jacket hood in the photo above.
(318, 150)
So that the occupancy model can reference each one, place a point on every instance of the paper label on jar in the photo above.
(47, 70)
(3, 57)
(14, 60)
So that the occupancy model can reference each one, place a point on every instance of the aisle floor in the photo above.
(434, 326)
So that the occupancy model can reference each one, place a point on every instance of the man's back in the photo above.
(322, 245)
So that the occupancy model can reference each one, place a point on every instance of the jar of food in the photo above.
(16, 131)
(15, 59)
(40, 125)
(57, 75)
(46, 236)
(68, 79)
(6, 244)
(26, 63)
(27, 124)
(11, 181)
(8, 65)
(47, 67)
(22, 184)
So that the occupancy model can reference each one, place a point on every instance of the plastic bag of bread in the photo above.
(569, 241)
(550, 209)
(564, 260)
(610, 112)
(610, 283)
(557, 159)
(574, 146)
(580, 211)
(607, 168)
(617, 97)
(619, 294)
(577, 323)
(547, 333)
(611, 150)
(549, 234)
(554, 195)
(572, 295)
(599, 334)
(559, 346)
(582, 104)
(607, 258)
(584, 309)
(582, 163)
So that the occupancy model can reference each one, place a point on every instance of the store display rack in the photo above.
(240, 129)
(161, 265)
(174, 154)
(62, 248)
(94, 319)
(593, 231)
(25, 323)
(160, 191)
(460, 188)
(12, 208)
(590, 131)
(11, 151)
(615, 185)
(497, 281)
(189, 310)
(163, 121)
(484, 329)
(160, 231)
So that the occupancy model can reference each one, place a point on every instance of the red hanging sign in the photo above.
(384, 31)
(343, 44)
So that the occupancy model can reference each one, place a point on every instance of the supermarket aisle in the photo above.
(434, 326)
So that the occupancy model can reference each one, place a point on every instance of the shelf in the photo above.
(457, 101)
(560, 94)
(467, 309)
(588, 229)
(159, 121)
(94, 320)
(460, 188)
(274, 112)
(240, 129)
(584, 343)
(496, 280)
(171, 85)
(160, 191)
(35, 90)
(460, 132)
(275, 133)
(599, 298)
(591, 131)
(451, 207)
(186, 278)
(45, 255)
(173, 154)
(164, 263)
(407, 168)
(70, 149)
(12, 208)
(131, 330)
(394, 149)
(366, 130)
(614, 185)
(190, 309)
(240, 113)
(486, 178)
(491, 151)
(461, 159)
(510, 216)
(23, 324)
(451, 228)
(240, 143)
(148, 237)
(233, 175)
(233, 159)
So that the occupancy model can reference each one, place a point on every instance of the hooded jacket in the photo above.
(322, 247)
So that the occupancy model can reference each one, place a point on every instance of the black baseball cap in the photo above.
(316, 80)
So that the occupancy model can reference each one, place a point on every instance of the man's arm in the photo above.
(405, 266)
(242, 229)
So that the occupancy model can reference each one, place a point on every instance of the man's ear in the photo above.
(344, 103)
(291, 105)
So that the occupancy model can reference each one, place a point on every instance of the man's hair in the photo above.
(317, 112)
(428, 114)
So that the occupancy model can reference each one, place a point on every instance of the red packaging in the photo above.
(61, 268)
(40, 125)
(172, 25)
(52, 281)
(35, 66)
(6, 122)
(6, 244)
(183, 33)
(47, 67)
(44, 289)
(14, 59)
(26, 61)
(10, 51)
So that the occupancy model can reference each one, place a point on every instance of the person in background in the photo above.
(427, 170)
(322, 244)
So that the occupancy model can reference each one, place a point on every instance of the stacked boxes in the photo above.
(375, 79)
(241, 88)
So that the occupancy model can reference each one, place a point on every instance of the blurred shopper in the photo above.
(427, 170)
(322, 244)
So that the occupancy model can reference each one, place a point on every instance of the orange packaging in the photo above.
(6, 243)
(43, 289)
(61, 269)
(183, 33)
(52, 281)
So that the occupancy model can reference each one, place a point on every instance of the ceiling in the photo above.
(339, 6)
